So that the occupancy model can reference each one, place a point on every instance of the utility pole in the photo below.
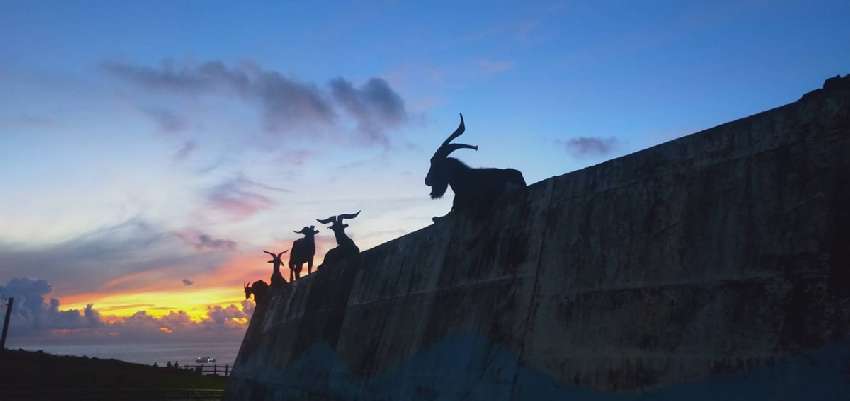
(6, 323)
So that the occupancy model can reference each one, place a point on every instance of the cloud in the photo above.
(204, 242)
(495, 66)
(286, 103)
(35, 319)
(374, 105)
(225, 315)
(207, 242)
(296, 157)
(102, 258)
(166, 120)
(589, 146)
(125, 306)
(185, 151)
(518, 30)
(32, 312)
(187, 282)
(27, 121)
(240, 198)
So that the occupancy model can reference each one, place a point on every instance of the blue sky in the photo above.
(145, 143)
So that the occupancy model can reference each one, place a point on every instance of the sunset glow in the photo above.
(158, 303)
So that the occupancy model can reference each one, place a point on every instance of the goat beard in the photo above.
(437, 191)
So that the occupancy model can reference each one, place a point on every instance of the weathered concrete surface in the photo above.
(714, 266)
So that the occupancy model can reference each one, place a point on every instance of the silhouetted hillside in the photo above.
(26, 375)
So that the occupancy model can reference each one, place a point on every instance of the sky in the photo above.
(150, 151)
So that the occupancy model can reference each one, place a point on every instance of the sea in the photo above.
(148, 354)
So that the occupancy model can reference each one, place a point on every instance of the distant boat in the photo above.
(205, 359)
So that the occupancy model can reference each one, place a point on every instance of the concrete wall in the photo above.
(713, 266)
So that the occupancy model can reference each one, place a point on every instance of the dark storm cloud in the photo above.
(90, 261)
(374, 105)
(285, 102)
(589, 146)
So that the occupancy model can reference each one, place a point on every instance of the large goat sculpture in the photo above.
(277, 278)
(344, 244)
(475, 189)
(303, 250)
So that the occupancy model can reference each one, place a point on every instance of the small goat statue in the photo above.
(475, 189)
(344, 245)
(260, 290)
(303, 250)
(277, 278)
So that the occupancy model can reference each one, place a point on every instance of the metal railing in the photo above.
(207, 369)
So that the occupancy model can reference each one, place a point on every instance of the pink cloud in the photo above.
(240, 197)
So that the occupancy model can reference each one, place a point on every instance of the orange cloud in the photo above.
(158, 292)
(249, 266)
(194, 301)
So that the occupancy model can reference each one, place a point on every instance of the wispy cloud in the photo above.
(287, 104)
(185, 150)
(588, 146)
(27, 121)
(374, 105)
(495, 66)
(101, 258)
(240, 197)
(517, 30)
(204, 242)
(296, 157)
(167, 120)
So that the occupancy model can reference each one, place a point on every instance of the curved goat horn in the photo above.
(460, 129)
(448, 149)
(328, 220)
(348, 216)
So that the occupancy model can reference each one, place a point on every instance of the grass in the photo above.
(38, 375)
